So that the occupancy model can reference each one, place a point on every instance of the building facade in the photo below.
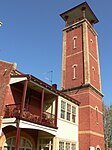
(81, 74)
(33, 114)
(37, 116)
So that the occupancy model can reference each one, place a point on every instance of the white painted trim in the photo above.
(29, 125)
(91, 132)
(9, 122)
(90, 107)
(93, 56)
(63, 60)
(98, 65)
(17, 79)
(74, 54)
(86, 54)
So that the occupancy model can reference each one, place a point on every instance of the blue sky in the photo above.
(31, 36)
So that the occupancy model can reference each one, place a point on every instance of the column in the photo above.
(23, 97)
(42, 103)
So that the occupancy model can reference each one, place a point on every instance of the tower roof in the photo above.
(76, 13)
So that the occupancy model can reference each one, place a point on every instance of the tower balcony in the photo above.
(78, 13)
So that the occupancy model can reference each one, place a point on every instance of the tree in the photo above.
(107, 117)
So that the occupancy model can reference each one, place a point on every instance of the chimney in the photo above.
(54, 86)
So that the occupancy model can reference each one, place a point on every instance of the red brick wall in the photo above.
(96, 140)
(84, 142)
(74, 57)
(5, 69)
(93, 59)
(9, 99)
(88, 140)
(95, 100)
(35, 104)
(88, 120)
(92, 43)
(13, 96)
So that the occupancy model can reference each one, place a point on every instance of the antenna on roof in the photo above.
(49, 76)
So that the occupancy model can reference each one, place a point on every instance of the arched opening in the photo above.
(98, 149)
(96, 116)
(24, 144)
(93, 73)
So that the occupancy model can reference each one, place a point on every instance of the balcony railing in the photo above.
(13, 110)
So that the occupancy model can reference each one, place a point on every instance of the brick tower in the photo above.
(81, 74)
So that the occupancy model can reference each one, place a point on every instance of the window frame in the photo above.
(72, 114)
(74, 42)
(48, 144)
(93, 73)
(96, 108)
(12, 143)
(65, 145)
(68, 114)
(61, 147)
(74, 71)
(63, 110)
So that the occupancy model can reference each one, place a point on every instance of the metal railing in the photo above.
(13, 110)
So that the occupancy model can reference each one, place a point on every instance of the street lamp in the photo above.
(1, 23)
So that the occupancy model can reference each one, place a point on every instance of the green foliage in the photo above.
(107, 113)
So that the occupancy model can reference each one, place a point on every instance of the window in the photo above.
(63, 145)
(98, 147)
(73, 147)
(93, 73)
(63, 109)
(74, 41)
(91, 40)
(46, 144)
(91, 45)
(73, 114)
(23, 145)
(67, 146)
(74, 71)
(96, 114)
(68, 111)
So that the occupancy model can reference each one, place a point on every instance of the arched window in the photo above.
(74, 71)
(96, 114)
(74, 41)
(24, 144)
(98, 148)
(91, 45)
(93, 73)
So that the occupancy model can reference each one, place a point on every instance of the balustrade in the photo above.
(13, 110)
